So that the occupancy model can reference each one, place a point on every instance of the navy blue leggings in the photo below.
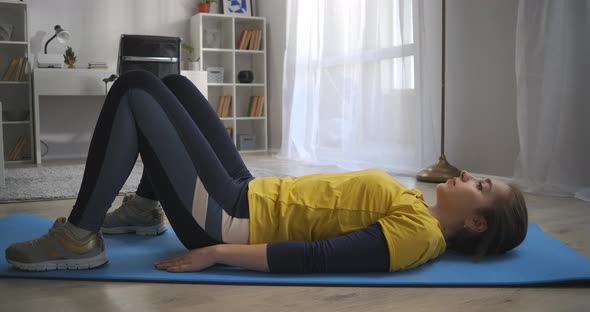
(179, 137)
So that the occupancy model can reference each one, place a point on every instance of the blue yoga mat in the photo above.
(540, 259)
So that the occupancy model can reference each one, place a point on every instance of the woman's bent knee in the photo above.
(179, 82)
(136, 78)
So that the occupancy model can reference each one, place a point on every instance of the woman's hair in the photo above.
(507, 222)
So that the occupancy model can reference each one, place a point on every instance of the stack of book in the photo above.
(16, 69)
(223, 108)
(98, 65)
(19, 149)
(255, 108)
(250, 39)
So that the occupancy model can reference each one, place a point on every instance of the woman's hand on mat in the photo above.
(192, 260)
(252, 257)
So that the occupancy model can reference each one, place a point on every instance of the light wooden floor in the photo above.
(564, 218)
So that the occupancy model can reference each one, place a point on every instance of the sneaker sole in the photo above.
(139, 230)
(69, 264)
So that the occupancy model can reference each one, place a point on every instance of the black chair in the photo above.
(157, 54)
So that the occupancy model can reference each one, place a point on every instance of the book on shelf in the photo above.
(240, 44)
(253, 40)
(219, 106)
(258, 40)
(260, 106)
(245, 39)
(250, 39)
(13, 151)
(249, 114)
(229, 130)
(252, 35)
(16, 68)
(241, 39)
(97, 65)
(19, 149)
(255, 107)
(224, 106)
(22, 68)
(10, 69)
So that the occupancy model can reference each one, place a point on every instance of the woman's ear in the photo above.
(476, 223)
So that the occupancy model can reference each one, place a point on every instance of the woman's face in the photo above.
(461, 197)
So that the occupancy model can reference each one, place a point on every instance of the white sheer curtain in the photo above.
(553, 105)
(352, 91)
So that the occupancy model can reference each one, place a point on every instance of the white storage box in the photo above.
(246, 142)
(215, 74)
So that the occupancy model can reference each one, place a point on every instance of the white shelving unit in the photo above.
(16, 95)
(224, 52)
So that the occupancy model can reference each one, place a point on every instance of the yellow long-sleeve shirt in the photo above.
(323, 206)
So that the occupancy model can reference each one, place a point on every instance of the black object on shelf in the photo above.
(245, 76)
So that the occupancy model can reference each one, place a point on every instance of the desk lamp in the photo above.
(53, 60)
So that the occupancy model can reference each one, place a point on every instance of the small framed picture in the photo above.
(237, 7)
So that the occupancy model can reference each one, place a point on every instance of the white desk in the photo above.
(60, 82)
(80, 82)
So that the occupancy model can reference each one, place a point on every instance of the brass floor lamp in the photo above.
(441, 170)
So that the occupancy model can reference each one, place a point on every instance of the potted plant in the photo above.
(205, 5)
(70, 58)
(193, 62)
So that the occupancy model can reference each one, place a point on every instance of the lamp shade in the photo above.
(62, 35)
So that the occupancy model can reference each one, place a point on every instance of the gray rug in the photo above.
(63, 181)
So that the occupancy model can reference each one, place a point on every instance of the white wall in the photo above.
(481, 85)
(481, 134)
(275, 12)
(95, 27)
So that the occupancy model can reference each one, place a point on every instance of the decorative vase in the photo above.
(193, 66)
(245, 76)
(214, 8)
(204, 7)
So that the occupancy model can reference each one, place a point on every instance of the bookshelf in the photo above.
(216, 39)
(15, 89)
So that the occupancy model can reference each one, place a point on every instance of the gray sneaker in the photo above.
(58, 250)
(129, 218)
